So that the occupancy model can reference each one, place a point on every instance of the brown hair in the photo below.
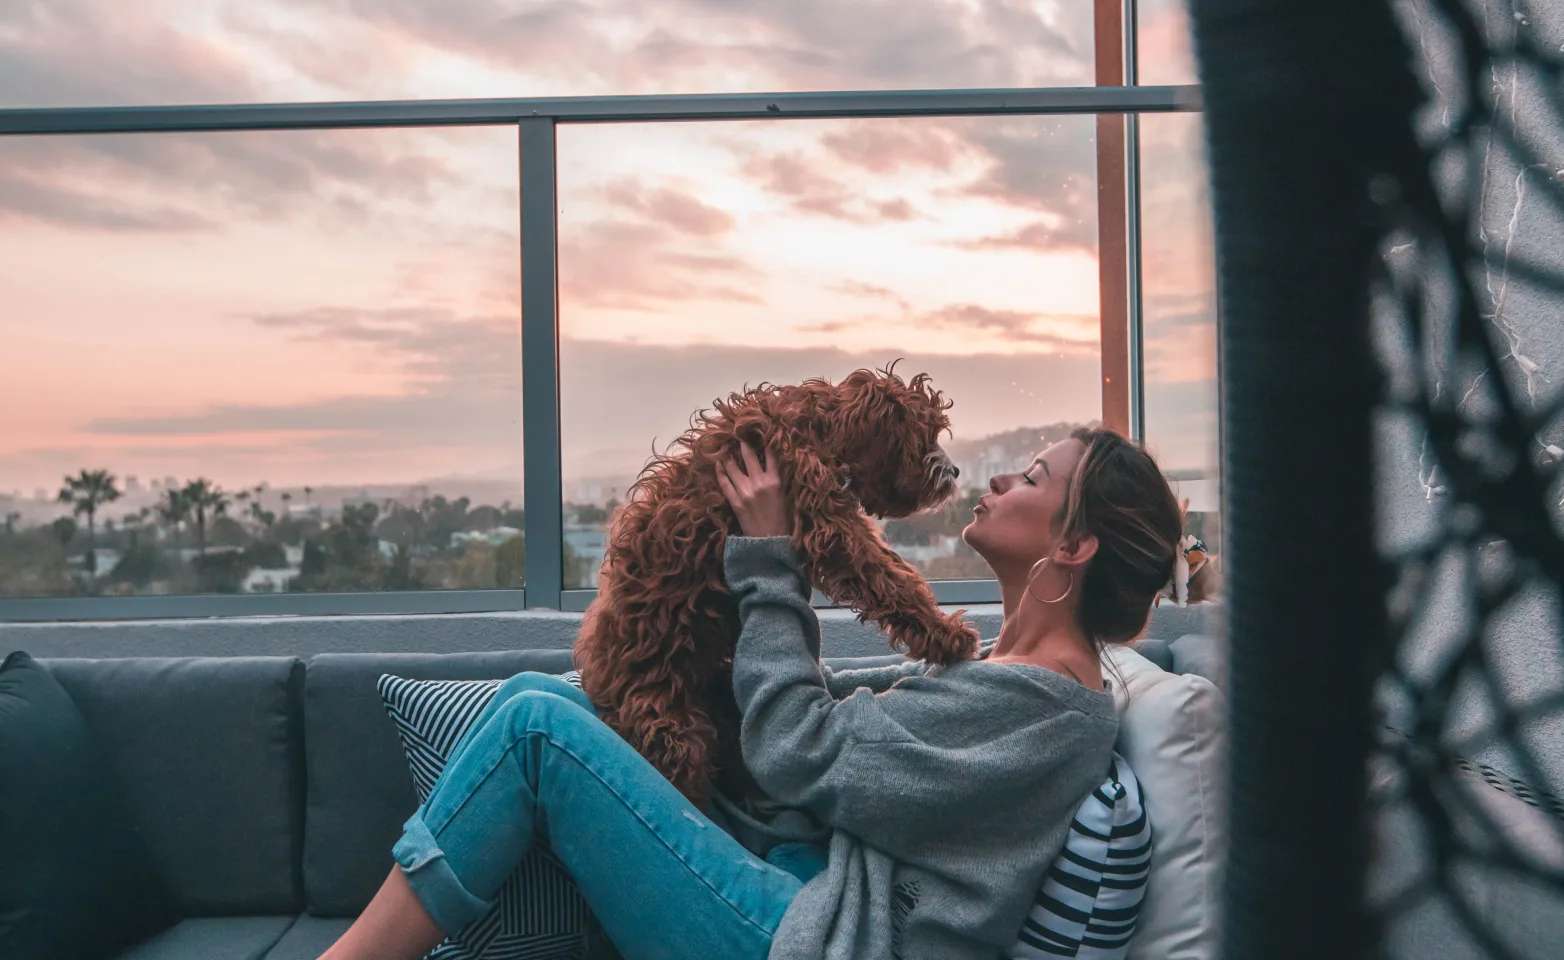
(1118, 494)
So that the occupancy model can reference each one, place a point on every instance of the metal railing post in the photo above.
(540, 364)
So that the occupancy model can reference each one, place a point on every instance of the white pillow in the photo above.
(1172, 730)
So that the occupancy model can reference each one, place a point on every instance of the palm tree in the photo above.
(86, 492)
(174, 510)
(204, 497)
(64, 531)
(262, 516)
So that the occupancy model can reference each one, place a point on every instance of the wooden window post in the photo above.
(1112, 223)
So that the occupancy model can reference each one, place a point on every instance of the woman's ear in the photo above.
(1077, 551)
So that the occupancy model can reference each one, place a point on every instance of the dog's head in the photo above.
(885, 432)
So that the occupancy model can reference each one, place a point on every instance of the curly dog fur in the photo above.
(656, 648)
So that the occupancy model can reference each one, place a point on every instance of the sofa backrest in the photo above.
(209, 754)
(360, 792)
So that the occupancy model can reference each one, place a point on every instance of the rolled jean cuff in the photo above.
(449, 904)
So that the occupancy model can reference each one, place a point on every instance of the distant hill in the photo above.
(1007, 452)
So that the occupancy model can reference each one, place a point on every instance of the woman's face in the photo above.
(1014, 524)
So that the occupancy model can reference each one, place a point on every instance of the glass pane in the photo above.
(1164, 47)
(1179, 263)
(695, 259)
(317, 331)
(108, 52)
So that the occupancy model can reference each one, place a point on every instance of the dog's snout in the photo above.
(955, 472)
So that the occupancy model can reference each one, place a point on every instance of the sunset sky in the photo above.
(341, 307)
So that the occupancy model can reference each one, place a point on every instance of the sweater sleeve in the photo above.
(795, 735)
(879, 679)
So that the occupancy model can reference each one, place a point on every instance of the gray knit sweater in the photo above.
(947, 795)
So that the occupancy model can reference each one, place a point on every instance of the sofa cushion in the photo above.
(209, 753)
(1202, 655)
(214, 938)
(1156, 651)
(77, 880)
(309, 937)
(360, 792)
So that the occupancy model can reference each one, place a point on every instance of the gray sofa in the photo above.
(270, 789)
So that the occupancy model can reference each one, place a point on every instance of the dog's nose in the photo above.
(955, 472)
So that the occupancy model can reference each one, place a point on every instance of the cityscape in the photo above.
(104, 535)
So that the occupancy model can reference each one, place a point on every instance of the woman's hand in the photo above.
(755, 493)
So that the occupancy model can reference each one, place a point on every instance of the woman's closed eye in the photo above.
(1026, 475)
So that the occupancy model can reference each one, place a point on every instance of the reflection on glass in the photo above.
(1179, 296)
(242, 363)
(107, 52)
(696, 259)
(1164, 46)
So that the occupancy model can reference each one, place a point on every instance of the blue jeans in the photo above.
(662, 879)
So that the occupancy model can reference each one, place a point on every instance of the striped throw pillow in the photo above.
(539, 914)
(1091, 898)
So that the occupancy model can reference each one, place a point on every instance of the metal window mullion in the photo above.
(1135, 267)
(1135, 264)
(540, 432)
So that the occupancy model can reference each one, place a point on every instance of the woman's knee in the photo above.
(544, 710)
(532, 682)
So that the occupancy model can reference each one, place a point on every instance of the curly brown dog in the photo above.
(656, 648)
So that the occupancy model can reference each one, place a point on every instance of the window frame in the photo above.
(1117, 101)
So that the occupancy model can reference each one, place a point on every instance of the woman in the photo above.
(945, 794)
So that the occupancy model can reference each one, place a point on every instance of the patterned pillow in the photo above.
(1091, 898)
(539, 914)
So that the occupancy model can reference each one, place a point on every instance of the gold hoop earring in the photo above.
(1032, 578)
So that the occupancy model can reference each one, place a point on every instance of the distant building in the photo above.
(596, 490)
(132, 484)
(268, 581)
(588, 544)
(494, 537)
(107, 560)
(918, 554)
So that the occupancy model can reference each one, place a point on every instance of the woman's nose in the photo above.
(993, 484)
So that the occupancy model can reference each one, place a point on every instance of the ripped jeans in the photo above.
(661, 878)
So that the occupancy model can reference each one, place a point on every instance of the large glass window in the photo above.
(108, 52)
(259, 362)
(697, 258)
(1163, 43)
(1180, 310)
